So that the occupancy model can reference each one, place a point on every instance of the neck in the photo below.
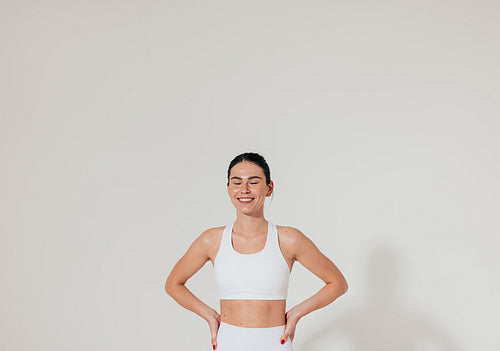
(250, 224)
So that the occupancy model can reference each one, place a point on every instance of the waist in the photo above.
(253, 313)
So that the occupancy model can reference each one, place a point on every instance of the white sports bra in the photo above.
(263, 275)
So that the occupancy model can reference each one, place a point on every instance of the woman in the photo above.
(252, 260)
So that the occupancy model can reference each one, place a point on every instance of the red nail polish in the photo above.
(213, 346)
(282, 341)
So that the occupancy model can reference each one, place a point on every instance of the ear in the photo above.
(270, 188)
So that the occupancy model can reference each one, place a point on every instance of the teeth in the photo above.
(246, 200)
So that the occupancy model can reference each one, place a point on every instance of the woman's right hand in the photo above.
(214, 322)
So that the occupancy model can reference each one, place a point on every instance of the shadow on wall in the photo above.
(385, 321)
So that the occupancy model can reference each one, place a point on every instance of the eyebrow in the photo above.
(248, 177)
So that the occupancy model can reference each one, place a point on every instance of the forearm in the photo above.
(184, 297)
(325, 296)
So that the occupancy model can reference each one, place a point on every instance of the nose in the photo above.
(245, 188)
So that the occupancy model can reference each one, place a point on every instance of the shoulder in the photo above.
(292, 239)
(210, 240)
(290, 234)
(211, 235)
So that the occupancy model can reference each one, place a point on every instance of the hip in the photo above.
(235, 338)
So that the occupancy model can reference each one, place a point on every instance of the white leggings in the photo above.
(233, 338)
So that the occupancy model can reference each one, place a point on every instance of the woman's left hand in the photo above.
(292, 318)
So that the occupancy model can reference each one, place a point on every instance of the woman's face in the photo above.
(247, 187)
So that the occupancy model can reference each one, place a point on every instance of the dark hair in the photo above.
(251, 157)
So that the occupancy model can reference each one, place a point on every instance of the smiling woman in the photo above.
(249, 183)
(252, 259)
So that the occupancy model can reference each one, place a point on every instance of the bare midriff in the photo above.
(253, 313)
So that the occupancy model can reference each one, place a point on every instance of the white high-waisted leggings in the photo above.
(233, 338)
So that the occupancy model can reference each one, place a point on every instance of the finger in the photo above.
(284, 337)
(214, 340)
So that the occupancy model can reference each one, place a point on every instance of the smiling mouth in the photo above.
(245, 200)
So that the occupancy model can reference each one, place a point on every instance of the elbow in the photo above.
(171, 286)
(340, 286)
(344, 286)
(168, 288)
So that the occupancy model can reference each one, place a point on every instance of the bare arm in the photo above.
(306, 252)
(315, 261)
(192, 261)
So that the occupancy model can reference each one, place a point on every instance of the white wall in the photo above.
(380, 121)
